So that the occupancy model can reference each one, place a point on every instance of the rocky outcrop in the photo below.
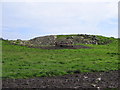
(68, 40)
(46, 40)
(64, 43)
(65, 40)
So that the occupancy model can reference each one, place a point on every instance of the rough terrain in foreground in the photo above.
(81, 80)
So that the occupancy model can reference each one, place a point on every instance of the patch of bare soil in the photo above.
(62, 47)
(92, 80)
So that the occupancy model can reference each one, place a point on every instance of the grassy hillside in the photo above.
(24, 62)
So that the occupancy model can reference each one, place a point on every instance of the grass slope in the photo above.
(23, 62)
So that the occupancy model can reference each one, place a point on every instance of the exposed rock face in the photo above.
(85, 39)
(64, 43)
(64, 40)
(46, 40)
(67, 40)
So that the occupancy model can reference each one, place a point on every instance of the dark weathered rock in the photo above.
(64, 41)
(46, 40)
(1, 39)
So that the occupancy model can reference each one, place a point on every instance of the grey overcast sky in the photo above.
(28, 19)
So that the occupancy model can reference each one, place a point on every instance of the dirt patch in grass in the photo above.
(61, 47)
(98, 80)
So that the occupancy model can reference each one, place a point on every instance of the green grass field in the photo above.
(24, 62)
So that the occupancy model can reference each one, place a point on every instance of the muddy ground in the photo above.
(61, 47)
(96, 80)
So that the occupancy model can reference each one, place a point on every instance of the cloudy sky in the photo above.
(28, 19)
